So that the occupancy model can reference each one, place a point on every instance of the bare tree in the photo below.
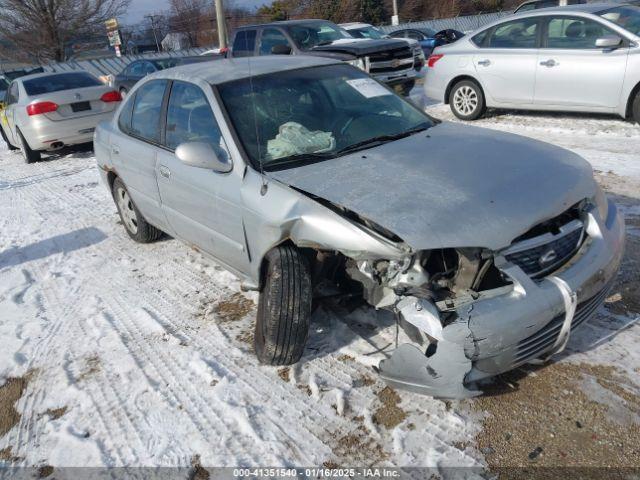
(192, 18)
(40, 29)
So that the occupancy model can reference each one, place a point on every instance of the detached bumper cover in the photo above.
(498, 334)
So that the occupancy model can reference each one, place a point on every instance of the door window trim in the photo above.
(491, 31)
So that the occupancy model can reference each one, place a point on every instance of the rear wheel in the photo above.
(635, 107)
(29, 155)
(467, 100)
(282, 324)
(134, 223)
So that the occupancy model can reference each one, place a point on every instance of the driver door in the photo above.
(203, 207)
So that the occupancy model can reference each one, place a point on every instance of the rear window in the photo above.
(59, 82)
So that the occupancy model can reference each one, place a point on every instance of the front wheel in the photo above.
(134, 223)
(635, 107)
(467, 100)
(29, 155)
(284, 308)
(123, 92)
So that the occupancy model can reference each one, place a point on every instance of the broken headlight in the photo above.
(600, 199)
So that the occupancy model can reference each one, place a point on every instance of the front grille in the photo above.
(540, 255)
(391, 61)
(543, 339)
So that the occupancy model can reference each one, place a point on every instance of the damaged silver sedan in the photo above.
(298, 173)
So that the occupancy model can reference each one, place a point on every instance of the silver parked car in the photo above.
(304, 174)
(583, 58)
(47, 111)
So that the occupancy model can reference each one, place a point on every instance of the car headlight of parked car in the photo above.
(601, 202)
(360, 63)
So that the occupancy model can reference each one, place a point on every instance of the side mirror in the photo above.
(203, 155)
(608, 41)
(281, 49)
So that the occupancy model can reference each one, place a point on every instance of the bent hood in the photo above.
(360, 47)
(452, 186)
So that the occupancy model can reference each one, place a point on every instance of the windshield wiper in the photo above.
(301, 158)
(379, 140)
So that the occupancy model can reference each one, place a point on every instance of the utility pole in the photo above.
(152, 19)
(395, 20)
(222, 25)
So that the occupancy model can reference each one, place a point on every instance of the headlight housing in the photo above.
(359, 63)
(602, 203)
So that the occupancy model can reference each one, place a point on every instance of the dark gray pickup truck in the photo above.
(388, 60)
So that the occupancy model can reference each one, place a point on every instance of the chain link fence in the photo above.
(465, 23)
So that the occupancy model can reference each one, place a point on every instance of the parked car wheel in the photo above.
(284, 308)
(124, 92)
(134, 223)
(29, 155)
(6, 140)
(407, 87)
(467, 100)
(636, 107)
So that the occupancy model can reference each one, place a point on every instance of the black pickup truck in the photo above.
(388, 60)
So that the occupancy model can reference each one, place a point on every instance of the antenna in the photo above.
(263, 188)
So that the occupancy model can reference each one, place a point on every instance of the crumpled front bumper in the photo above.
(496, 334)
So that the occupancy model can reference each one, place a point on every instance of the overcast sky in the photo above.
(139, 8)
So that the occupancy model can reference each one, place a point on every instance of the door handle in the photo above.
(115, 149)
(484, 63)
(164, 171)
(549, 63)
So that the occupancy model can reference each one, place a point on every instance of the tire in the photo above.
(6, 140)
(29, 155)
(284, 308)
(134, 223)
(124, 92)
(635, 107)
(407, 87)
(467, 100)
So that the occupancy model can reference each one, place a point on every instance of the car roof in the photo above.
(219, 71)
(347, 26)
(284, 23)
(579, 8)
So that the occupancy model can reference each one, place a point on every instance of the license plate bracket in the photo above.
(80, 107)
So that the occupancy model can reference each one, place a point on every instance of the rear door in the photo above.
(203, 207)
(134, 151)
(572, 71)
(506, 61)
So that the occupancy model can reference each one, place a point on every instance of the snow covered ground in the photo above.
(114, 353)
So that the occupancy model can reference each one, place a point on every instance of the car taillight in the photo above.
(433, 59)
(111, 96)
(41, 107)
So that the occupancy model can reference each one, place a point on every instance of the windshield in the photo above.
(302, 116)
(312, 34)
(61, 81)
(627, 17)
(366, 32)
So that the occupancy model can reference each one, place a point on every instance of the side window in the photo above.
(244, 44)
(124, 120)
(515, 34)
(398, 34)
(13, 95)
(135, 70)
(415, 35)
(145, 118)
(270, 38)
(148, 68)
(574, 33)
(190, 118)
(480, 38)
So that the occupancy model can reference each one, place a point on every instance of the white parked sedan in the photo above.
(583, 58)
(47, 111)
